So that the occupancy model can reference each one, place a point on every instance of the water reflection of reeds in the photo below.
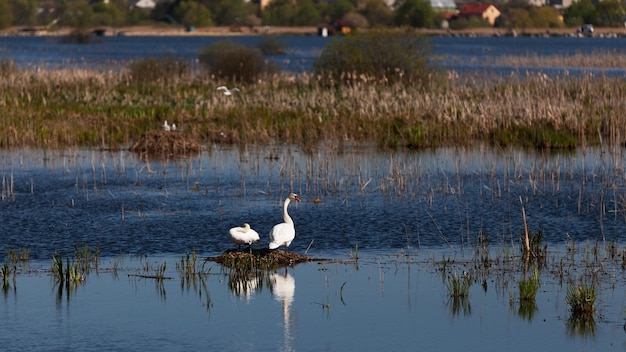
(458, 305)
(581, 326)
(527, 310)
(244, 283)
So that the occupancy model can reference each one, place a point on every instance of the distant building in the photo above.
(145, 4)
(442, 5)
(486, 11)
(560, 4)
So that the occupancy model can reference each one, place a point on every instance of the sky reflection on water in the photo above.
(383, 303)
(435, 206)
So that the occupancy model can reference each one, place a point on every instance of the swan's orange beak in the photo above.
(297, 199)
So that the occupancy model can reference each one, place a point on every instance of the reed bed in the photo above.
(108, 109)
(606, 59)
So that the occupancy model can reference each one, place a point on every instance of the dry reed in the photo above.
(76, 107)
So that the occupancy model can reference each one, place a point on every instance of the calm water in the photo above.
(391, 306)
(461, 54)
(406, 212)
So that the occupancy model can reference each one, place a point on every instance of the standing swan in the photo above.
(243, 235)
(283, 234)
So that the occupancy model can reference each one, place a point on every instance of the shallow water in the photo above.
(383, 303)
(415, 218)
(450, 198)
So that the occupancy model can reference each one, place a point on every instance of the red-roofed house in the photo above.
(482, 10)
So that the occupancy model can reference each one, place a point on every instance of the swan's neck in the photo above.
(285, 214)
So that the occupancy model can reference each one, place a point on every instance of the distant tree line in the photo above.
(354, 13)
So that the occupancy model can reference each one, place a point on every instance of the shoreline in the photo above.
(306, 31)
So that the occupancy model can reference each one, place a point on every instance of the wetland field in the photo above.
(472, 211)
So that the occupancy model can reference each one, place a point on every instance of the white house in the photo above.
(145, 4)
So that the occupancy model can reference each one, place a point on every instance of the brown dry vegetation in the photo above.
(259, 259)
(162, 143)
(108, 109)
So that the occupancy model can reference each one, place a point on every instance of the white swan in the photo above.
(283, 234)
(166, 127)
(173, 127)
(243, 235)
(228, 91)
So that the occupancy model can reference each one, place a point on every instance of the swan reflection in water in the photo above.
(244, 284)
(283, 287)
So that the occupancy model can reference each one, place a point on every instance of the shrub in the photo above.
(7, 67)
(229, 60)
(269, 45)
(79, 36)
(158, 69)
(383, 55)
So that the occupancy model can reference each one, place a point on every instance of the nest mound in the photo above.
(164, 143)
(259, 259)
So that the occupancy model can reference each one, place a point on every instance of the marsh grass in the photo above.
(85, 257)
(77, 107)
(528, 287)
(187, 265)
(598, 59)
(68, 275)
(22, 254)
(459, 286)
(537, 248)
(581, 298)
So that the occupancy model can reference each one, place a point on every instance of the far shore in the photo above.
(166, 30)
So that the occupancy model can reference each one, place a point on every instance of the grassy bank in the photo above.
(75, 107)
(164, 29)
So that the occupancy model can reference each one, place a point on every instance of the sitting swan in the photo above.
(282, 234)
(243, 235)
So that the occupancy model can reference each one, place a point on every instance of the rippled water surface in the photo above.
(376, 200)
(462, 54)
(414, 219)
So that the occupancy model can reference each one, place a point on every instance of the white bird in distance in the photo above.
(228, 91)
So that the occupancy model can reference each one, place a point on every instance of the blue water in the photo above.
(414, 219)
(383, 303)
(371, 199)
(114, 51)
